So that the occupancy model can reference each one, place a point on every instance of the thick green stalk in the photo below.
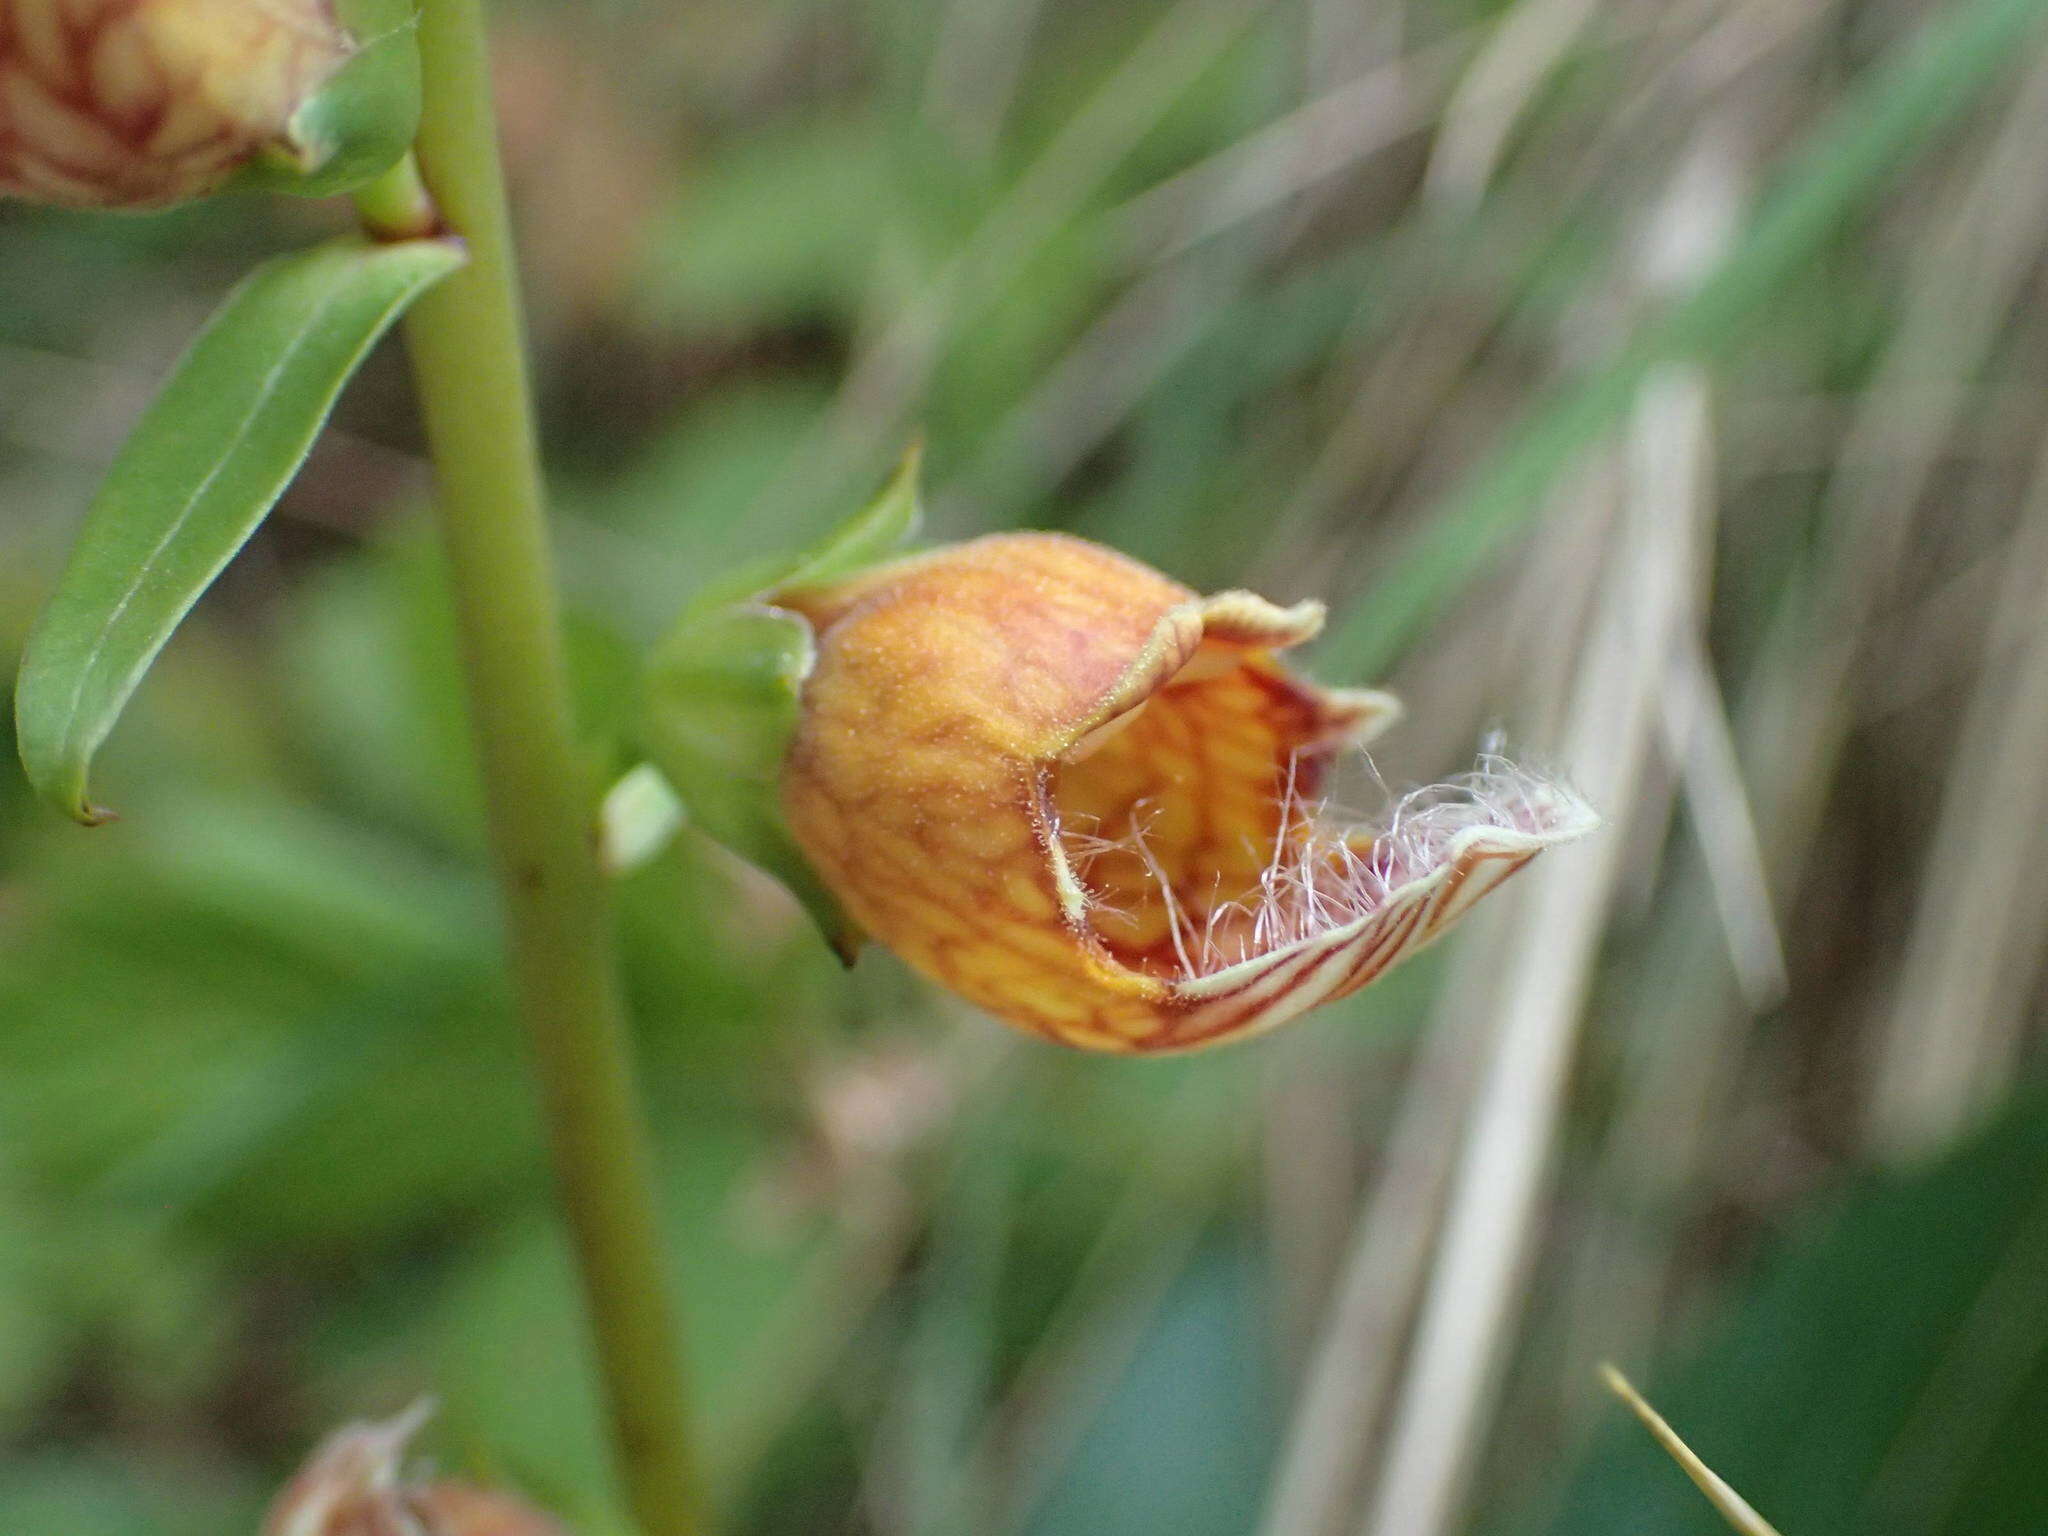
(468, 358)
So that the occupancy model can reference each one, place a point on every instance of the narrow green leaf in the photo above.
(207, 461)
(1891, 117)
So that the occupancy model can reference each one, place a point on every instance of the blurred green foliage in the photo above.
(1889, 1368)
(268, 1158)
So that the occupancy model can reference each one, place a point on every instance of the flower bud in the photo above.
(352, 1486)
(1095, 804)
(142, 103)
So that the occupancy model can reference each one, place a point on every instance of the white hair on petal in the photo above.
(1083, 850)
(1330, 867)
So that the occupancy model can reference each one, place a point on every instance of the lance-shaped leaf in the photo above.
(209, 458)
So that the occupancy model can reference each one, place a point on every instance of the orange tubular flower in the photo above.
(1091, 802)
(142, 103)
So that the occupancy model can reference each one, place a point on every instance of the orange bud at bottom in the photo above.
(351, 1486)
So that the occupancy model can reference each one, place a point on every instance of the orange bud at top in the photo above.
(1091, 802)
(142, 103)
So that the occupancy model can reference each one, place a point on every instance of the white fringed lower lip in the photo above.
(1444, 848)
(1269, 989)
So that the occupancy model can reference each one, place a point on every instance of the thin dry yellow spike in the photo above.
(1734, 1508)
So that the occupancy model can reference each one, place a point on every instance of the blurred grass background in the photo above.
(1661, 381)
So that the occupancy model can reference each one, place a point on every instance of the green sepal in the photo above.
(356, 125)
(723, 690)
(877, 532)
(720, 706)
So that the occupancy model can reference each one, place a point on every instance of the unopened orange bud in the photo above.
(142, 103)
(1094, 803)
(354, 1486)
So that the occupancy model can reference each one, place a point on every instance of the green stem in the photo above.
(396, 205)
(468, 359)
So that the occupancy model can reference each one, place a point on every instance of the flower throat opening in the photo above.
(1201, 835)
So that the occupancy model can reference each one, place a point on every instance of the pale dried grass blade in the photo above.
(1732, 1506)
